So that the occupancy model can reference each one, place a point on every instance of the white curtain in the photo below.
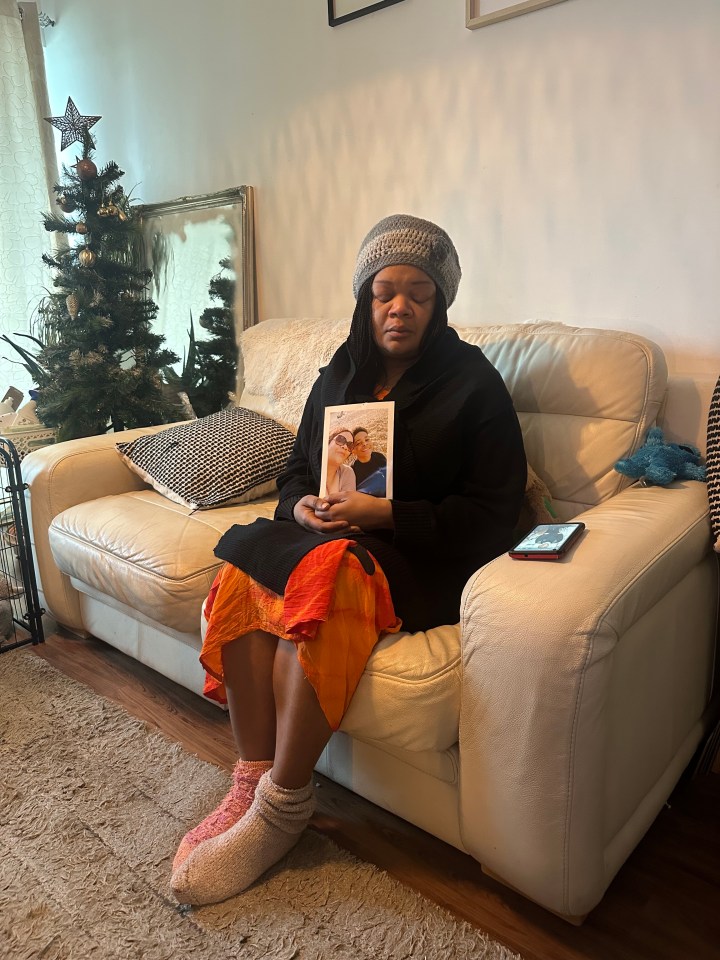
(28, 170)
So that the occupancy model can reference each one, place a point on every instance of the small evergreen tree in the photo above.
(99, 361)
(217, 355)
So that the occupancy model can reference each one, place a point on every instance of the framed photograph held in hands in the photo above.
(357, 449)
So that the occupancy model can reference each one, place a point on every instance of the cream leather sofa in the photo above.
(543, 733)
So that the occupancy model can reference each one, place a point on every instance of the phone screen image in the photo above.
(547, 541)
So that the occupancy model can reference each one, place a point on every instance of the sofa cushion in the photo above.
(585, 398)
(146, 551)
(409, 678)
(229, 457)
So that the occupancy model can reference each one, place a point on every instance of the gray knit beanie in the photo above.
(402, 239)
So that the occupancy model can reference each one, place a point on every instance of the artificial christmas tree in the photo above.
(98, 364)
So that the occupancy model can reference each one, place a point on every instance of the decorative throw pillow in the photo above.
(229, 457)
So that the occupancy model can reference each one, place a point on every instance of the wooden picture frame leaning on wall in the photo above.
(481, 13)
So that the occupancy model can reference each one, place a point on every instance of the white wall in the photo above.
(573, 153)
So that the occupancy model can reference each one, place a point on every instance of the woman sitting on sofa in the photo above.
(301, 601)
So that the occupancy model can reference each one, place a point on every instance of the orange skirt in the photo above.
(333, 611)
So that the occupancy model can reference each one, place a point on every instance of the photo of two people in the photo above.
(357, 449)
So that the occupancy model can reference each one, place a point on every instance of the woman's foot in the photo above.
(236, 804)
(232, 861)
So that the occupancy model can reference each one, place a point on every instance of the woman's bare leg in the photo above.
(248, 677)
(274, 711)
(248, 665)
(302, 730)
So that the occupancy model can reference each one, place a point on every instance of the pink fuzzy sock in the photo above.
(232, 861)
(246, 775)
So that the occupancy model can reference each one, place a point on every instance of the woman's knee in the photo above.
(256, 648)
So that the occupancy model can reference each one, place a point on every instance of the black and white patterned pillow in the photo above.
(229, 457)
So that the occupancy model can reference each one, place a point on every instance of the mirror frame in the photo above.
(244, 197)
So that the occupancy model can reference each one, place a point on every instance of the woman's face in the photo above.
(339, 448)
(402, 307)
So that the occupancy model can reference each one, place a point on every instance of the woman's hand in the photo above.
(306, 514)
(358, 510)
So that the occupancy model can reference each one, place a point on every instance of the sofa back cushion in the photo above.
(585, 397)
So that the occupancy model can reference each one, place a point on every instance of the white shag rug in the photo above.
(92, 806)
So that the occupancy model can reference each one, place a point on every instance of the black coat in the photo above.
(459, 474)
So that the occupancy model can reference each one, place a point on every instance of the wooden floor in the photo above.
(663, 905)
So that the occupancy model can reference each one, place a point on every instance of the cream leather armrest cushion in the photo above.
(61, 476)
(539, 643)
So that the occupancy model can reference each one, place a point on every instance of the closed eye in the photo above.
(418, 298)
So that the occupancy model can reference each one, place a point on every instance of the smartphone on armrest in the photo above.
(547, 541)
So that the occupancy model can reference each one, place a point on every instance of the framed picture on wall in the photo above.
(481, 13)
(342, 11)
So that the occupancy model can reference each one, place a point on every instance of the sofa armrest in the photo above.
(61, 476)
(583, 691)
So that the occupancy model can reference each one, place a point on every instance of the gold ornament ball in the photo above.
(80, 227)
(87, 257)
(103, 210)
(66, 204)
(86, 169)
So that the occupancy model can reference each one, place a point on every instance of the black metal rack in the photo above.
(20, 610)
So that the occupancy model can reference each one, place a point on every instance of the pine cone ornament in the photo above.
(73, 305)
